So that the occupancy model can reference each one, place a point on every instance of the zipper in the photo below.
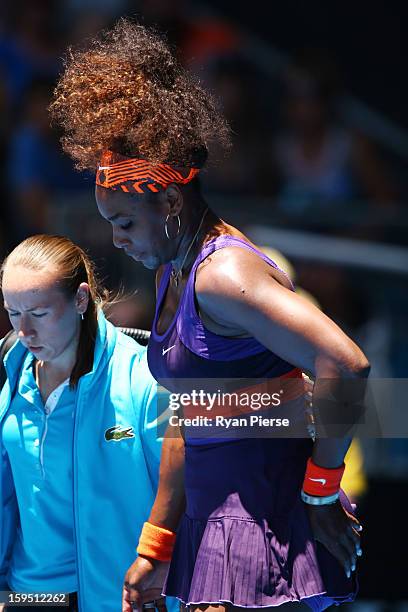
(53, 399)
(42, 441)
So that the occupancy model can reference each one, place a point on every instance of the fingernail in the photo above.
(359, 552)
(348, 573)
(353, 567)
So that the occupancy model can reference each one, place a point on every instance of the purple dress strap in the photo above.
(191, 330)
(221, 242)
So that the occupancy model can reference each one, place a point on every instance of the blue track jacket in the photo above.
(116, 456)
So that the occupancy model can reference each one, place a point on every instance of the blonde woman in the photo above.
(79, 445)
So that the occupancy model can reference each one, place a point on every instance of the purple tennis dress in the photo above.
(245, 537)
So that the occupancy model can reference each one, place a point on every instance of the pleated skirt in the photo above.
(245, 538)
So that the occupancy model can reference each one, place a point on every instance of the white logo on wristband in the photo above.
(322, 480)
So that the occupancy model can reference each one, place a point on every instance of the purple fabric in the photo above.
(190, 328)
(245, 537)
(188, 350)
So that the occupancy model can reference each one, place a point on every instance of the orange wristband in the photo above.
(322, 481)
(156, 542)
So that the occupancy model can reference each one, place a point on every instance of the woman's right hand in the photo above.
(339, 531)
(144, 582)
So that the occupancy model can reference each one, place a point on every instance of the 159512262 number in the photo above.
(37, 598)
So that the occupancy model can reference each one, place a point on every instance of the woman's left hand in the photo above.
(144, 583)
(338, 531)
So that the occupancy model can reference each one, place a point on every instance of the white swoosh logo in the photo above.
(164, 351)
(322, 480)
(104, 168)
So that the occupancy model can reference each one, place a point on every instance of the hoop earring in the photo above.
(166, 229)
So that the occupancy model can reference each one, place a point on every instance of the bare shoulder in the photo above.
(236, 280)
(233, 268)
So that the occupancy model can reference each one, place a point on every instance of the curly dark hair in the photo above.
(126, 91)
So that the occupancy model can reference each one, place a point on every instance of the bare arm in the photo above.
(239, 292)
(170, 501)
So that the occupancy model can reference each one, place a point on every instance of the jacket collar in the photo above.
(104, 346)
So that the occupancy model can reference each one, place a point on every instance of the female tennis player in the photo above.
(260, 522)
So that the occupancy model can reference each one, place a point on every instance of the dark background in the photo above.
(368, 40)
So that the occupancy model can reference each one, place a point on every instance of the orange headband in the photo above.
(137, 175)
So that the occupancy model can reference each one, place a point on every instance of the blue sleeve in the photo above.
(153, 415)
(8, 510)
(8, 517)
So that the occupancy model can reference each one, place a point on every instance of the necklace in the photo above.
(177, 274)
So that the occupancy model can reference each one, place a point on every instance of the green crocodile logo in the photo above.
(118, 433)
